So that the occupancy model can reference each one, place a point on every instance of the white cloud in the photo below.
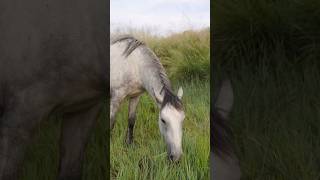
(161, 15)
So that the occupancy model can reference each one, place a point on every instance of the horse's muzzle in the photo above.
(175, 157)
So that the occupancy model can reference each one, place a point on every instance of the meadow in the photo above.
(147, 157)
(270, 51)
(186, 57)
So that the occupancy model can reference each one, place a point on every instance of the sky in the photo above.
(160, 16)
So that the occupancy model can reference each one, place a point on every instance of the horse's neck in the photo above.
(153, 85)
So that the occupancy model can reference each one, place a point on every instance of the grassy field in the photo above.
(186, 57)
(146, 158)
(276, 124)
(270, 51)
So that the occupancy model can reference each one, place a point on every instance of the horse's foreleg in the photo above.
(76, 128)
(133, 102)
(114, 106)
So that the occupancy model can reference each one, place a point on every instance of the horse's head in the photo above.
(171, 118)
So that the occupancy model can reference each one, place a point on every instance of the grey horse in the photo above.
(134, 69)
(224, 162)
(53, 59)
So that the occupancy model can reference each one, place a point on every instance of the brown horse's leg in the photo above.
(75, 133)
(133, 102)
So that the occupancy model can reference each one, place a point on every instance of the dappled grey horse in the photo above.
(134, 69)
(224, 163)
(53, 59)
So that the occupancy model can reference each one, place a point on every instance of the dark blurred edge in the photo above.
(278, 35)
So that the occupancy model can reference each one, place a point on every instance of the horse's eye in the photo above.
(163, 121)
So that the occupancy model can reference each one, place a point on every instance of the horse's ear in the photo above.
(224, 101)
(180, 93)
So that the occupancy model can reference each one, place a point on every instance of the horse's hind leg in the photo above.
(75, 133)
(114, 106)
(133, 102)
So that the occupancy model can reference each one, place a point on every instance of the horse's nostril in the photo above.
(171, 157)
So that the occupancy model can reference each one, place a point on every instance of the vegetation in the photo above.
(266, 32)
(270, 51)
(186, 59)
(147, 157)
(185, 56)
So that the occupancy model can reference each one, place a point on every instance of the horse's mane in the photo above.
(133, 44)
(171, 98)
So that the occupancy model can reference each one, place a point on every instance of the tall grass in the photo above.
(276, 124)
(270, 51)
(185, 55)
(186, 58)
(252, 31)
(146, 158)
(42, 158)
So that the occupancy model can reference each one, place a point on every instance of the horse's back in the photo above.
(125, 71)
